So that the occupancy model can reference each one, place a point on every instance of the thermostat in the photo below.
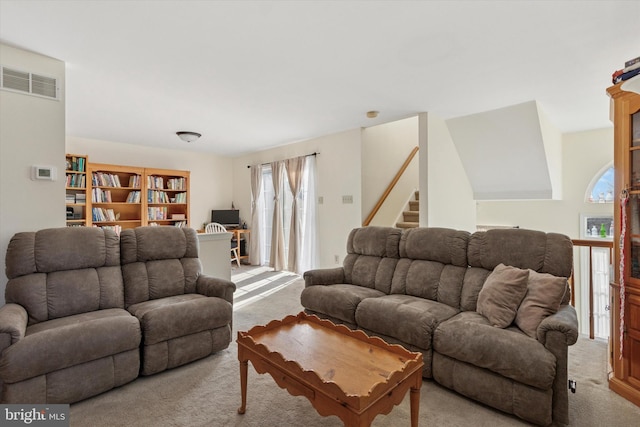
(47, 173)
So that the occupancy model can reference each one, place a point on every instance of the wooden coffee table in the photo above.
(342, 372)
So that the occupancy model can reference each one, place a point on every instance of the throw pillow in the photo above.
(545, 292)
(501, 294)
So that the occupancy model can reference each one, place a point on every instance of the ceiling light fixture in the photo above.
(188, 136)
(372, 114)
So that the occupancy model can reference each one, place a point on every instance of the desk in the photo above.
(238, 234)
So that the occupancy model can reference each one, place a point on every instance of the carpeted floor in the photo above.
(207, 392)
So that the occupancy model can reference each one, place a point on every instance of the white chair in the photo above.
(214, 227)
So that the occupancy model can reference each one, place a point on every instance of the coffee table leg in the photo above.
(414, 401)
(244, 364)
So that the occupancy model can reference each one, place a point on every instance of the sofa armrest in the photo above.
(564, 320)
(215, 287)
(324, 276)
(13, 324)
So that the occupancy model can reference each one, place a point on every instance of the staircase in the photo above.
(410, 217)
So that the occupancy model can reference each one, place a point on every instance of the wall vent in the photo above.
(29, 83)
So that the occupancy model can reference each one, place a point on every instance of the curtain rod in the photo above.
(307, 155)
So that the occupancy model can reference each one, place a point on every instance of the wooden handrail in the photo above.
(393, 183)
(590, 244)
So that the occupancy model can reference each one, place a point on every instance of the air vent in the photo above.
(29, 83)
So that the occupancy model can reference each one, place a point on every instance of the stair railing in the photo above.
(390, 187)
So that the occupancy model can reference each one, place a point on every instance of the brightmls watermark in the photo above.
(34, 415)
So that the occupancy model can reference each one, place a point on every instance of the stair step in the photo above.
(411, 216)
(414, 205)
(406, 224)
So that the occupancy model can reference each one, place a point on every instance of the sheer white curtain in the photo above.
(295, 173)
(308, 258)
(277, 257)
(256, 227)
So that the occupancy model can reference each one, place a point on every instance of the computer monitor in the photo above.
(226, 217)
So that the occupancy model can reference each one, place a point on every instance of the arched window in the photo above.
(601, 187)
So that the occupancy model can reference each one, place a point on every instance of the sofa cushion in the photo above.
(408, 318)
(469, 337)
(543, 252)
(60, 343)
(166, 318)
(544, 295)
(339, 301)
(501, 295)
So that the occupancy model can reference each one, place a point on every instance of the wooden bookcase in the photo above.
(116, 196)
(77, 190)
(625, 360)
(167, 194)
(121, 197)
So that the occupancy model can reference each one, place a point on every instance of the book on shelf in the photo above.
(180, 224)
(181, 198)
(155, 182)
(157, 213)
(75, 163)
(104, 179)
(133, 197)
(157, 196)
(631, 69)
(98, 195)
(177, 183)
(76, 180)
(134, 181)
(632, 61)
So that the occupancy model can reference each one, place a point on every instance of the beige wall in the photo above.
(584, 154)
(338, 170)
(448, 196)
(385, 148)
(32, 132)
(211, 183)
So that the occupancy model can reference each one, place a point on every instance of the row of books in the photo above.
(157, 196)
(102, 214)
(155, 182)
(631, 69)
(157, 213)
(76, 180)
(104, 179)
(75, 163)
(177, 184)
(99, 195)
(175, 224)
(71, 198)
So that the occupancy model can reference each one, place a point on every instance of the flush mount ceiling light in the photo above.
(188, 136)
(372, 114)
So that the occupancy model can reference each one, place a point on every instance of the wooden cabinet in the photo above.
(128, 196)
(625, 376)
(76, 190)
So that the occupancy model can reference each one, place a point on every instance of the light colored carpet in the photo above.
(207, 392)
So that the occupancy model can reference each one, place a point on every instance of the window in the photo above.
(601, 188)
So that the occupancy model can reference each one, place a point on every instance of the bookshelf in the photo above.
(120, 197)
(116, 196)
(167, 194)
(76, 190)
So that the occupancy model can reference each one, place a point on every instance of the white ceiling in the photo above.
(250, 75)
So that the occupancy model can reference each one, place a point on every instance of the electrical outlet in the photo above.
(320, 200)
(336, 259)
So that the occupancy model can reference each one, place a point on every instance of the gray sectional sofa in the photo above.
(87, 311)
(488, 310)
